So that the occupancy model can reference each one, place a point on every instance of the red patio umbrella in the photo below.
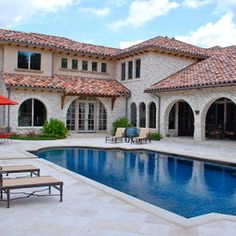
(6, 101)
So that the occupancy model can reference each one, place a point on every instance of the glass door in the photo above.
(86, 116)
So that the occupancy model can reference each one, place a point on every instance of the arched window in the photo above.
(102, 122)
(142, 115)
(32, 113)
(152, 115)
(70, 117)
(133, 114)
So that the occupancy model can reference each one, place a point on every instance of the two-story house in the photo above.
(163, 84)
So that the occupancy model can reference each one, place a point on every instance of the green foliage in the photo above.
(155, 136)
(120, 122)
(54, 129)
(36, 137)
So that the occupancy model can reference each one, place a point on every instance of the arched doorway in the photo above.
(181, 119)
(221, 120)
(133, 114)
(86, 115)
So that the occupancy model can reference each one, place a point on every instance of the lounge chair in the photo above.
(20, 169)
(143, 136)
(119, 135)
(6, 185)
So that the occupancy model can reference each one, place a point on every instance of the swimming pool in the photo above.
(183, 186)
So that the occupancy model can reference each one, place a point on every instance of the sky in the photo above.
(122, 23)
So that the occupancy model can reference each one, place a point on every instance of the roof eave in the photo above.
(163, 49)
(232, 83)
(58, 48)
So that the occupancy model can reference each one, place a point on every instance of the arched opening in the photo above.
(86, 114)
(32, 113)
(181, 119)
(70, 117)
(221, 120)
(152, 115)
(102, 121)
(133, 114)
(142, 115)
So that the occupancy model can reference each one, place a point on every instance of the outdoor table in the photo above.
(130, 134)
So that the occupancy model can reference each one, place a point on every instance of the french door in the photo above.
(86, 121)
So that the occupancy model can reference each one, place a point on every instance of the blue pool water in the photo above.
(186, 187)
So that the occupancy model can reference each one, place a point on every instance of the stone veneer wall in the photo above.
(52, 102)
(199, 100)
(154, 67)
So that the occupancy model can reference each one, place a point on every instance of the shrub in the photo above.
(120, 122)
(155, 136)
(54, 128)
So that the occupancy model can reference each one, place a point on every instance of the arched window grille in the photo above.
(32, 113)
(142, 115)
(133, 114)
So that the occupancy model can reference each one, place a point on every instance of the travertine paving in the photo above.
(90, 209)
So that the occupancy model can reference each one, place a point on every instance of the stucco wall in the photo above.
(1, 58)
(10, 60)
(2, 87)
(91, 74)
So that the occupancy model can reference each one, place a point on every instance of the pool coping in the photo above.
(196, 158)
(155, 210)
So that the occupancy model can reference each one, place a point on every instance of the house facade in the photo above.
(163, 84)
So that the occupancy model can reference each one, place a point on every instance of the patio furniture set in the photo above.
(130, 135)
(31, 182)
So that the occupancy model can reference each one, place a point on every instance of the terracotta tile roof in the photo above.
(160, 43)
(55, 42)
(69, 84)
(167, 45)
(219, 69)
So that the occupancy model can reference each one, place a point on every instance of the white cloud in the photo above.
(225, 5)
(126, 44)
(14, 11)
(117, 3)
(221, 33)
(196, 3)
(141, 12)
(96, 11)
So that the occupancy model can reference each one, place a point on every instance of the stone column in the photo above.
(138, 115)
(199, 127)
(147, 116)
(177, 118)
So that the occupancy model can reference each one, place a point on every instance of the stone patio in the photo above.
(90, 208)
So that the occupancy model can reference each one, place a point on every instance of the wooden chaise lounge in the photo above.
(119, 135)
(7, 185)
(20, 169)
(143, 136)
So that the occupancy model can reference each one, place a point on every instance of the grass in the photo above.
(36, 137)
